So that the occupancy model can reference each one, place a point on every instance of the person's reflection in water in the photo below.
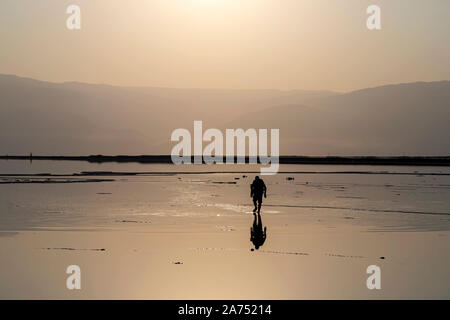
(257, 235)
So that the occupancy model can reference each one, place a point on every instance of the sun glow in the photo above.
(209, 4)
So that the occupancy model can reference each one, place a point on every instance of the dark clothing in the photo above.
(258, 197)
(257, 190)
(258, 187)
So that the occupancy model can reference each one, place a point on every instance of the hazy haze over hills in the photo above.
(403, 119)
(80, 119)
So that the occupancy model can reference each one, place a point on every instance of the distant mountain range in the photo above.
(81, 119)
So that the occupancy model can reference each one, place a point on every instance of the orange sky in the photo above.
(255, 44)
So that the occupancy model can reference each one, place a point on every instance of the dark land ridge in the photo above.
(332, 160)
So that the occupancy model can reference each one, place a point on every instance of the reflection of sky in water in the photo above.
(323, 231)
(379, 201)
(69, 167)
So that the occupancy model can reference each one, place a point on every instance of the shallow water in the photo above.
(172, 235)
(380, 198)
(70, 167)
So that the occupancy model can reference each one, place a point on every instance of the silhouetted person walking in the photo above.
(257, 235)
(257, 189)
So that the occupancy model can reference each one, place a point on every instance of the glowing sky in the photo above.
(260, 44)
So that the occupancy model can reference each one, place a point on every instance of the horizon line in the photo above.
(218, 89)
(201, 155)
